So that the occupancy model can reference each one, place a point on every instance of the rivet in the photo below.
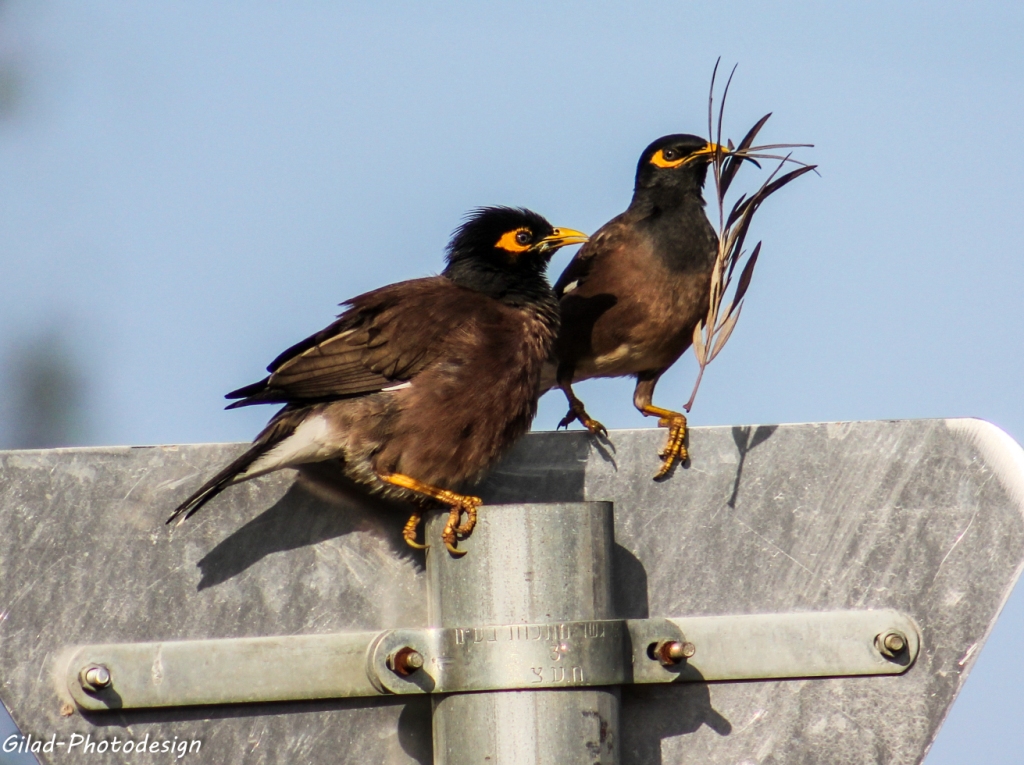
(94, 677)
(405, 661)
(891, 644)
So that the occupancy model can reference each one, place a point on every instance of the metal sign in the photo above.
(773, 526)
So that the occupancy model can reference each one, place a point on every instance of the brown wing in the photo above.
(579, 268)
(383, 338)
(587, 291)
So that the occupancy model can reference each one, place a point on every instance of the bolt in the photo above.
(95, 677)
(405, 661)
(671, 652)
(895, 642)
(891, 644)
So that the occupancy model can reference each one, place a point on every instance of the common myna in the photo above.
(631, 297)
(420, 386)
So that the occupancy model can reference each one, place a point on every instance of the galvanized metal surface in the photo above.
(515, 656)
(507, 657)
(530, 562)
(766, 646)
(924, 517)
(85, 558)
(239, 671)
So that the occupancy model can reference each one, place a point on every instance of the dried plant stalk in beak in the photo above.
(711, 334)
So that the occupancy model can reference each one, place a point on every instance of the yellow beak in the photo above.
(711, 149)
(561, 237)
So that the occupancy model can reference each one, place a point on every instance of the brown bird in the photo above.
(420, 386)
(631, 296)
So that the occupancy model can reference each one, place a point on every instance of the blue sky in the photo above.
(187, 188)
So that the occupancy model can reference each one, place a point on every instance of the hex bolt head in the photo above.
(891, 644)
(94, 677)
(405, 661)
(672, 652)
(895, 642)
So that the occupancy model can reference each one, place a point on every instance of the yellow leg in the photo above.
(457, 502)
(675, 447)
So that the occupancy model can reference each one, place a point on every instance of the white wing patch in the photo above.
(400, 386)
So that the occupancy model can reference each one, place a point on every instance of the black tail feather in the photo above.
(252, 400)
(249, 390)
(218, 483)
(280, 427)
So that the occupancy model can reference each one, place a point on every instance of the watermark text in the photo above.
(88, 745)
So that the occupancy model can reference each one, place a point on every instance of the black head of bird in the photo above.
(676, 162)
(504, 251)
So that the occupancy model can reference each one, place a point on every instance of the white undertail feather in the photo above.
(313, 441)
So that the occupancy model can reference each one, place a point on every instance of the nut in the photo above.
(405, 661)
(891, 644)
(672, 652)
(94, 677)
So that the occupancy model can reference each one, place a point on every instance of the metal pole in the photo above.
(526, 564)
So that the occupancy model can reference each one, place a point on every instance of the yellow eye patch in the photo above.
(658, 160)
(510, 241)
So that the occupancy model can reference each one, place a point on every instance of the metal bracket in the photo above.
(496, 657)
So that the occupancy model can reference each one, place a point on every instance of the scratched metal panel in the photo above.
(923, 516)
(85, 557)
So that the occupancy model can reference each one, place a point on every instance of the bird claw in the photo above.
(675, 447)
(470, 507)
(455, 551)
(595, 427)
(454, 529)
(409, 531)
(456, 502)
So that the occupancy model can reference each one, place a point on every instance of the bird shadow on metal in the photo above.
(605, 449)
(324, 504)
(745, 442)
(414, 727)
(652, 713)
(629, 585)
(321, 505)
(550, 468)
